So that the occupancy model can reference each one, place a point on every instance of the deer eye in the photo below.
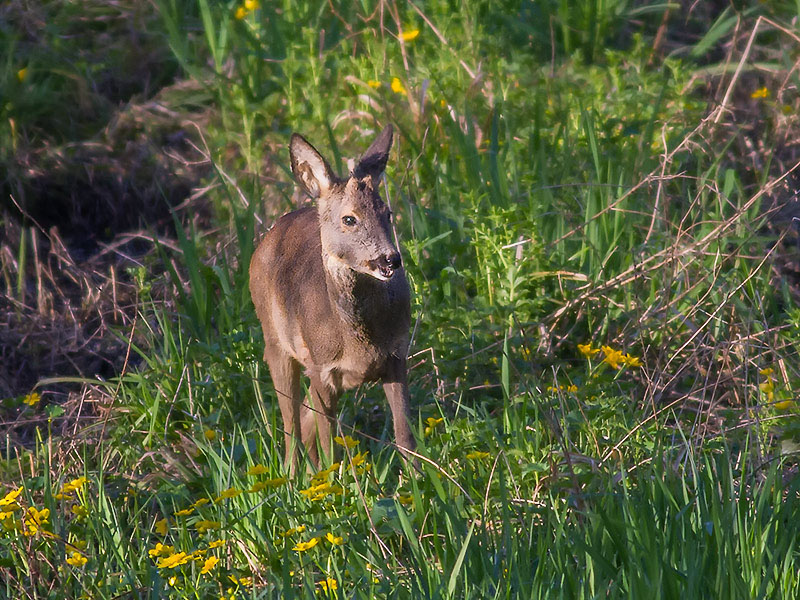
(349, 220)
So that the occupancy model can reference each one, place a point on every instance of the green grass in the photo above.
(556, 181)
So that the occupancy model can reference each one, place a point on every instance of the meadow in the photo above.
(597, 207)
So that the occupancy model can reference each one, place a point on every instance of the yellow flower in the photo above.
(293, 530)
(79, 510)
(185, 512)
(768, 388)
(614, 358)
(201, 502)
(359, 459)
(240, 13)
(761, 92)
(785, 405)
(277, 482)
(172, 581)
(334, 539)
(210, 563)
(252, 4)
(161, 550)
(303, 546)
(432, 423)
(70, 487)
(76, 559)
(210, 435)
(231, 492)
(405, 499)
(22, 74)
(31, 399)
(477, 455)
(766, 372)
(35, 519)
(174, 560)
(205, 525)
(329, 584)
(407, 36)
(374, 84)
(257, 470)
(9, 503)
(162, 526)
(216, 544)
(587, 350)
(631, 361)
(397, 86)
(346, 441)
(256, 487)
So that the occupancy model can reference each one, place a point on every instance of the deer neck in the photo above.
(357, 298)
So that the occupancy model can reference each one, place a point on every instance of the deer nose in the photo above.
(392, 260)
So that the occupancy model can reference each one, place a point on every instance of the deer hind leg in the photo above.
(285, 372)
(318, 418)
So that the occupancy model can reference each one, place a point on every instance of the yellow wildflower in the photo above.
(614, 358)
(35, 520)
(631, 361)
(231, 492)
(252, 4)
(32, 399)
(786, 405)
(9, 503)
(205, 525)
(162, 526)
(277, 482)
(210, 563)
(432, 423)
(405, 498)
(161, 550)
(257, 470)
(374, 84)
(172, 581)
(768, 389)
(761, 92)
(79, 511)
(303, 546)
(477, 455)
(256, 487)
(293, 530)
(76, 559)
(200, 502)
(587, 350)
(334, 539)
(328, 584)
(174, 560)
(185, 512)
(216, 544)
(241, 13)
(346, 441)
(210, 435)
(198, 554)
(407, 36)
(22, 74)
(766, 372)
(398, 87)
(359, 458)
(70, 487)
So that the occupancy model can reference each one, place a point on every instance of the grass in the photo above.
(605, 173)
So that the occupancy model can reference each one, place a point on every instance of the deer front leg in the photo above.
(285, 373)
(318, 418)
(395, 386)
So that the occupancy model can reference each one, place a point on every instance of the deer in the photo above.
(331, 294)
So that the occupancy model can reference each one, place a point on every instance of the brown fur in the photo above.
(333, 299)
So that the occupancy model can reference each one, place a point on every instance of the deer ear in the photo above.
(309, 168)
(373, 162)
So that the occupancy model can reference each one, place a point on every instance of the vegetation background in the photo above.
(597, 202)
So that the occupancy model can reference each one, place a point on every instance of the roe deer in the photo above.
(330, 291)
